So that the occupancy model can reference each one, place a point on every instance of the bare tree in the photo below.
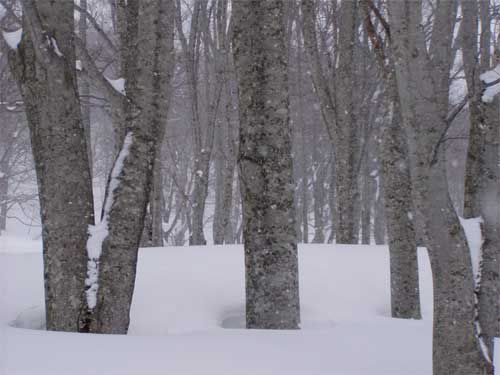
(481, 178)
(335, 94)
(44, 63)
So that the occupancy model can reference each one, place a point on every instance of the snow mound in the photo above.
(188, 312)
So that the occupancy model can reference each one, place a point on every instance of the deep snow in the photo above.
(187, 318)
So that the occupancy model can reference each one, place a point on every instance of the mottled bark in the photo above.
(265, 162)
(150, 32)
(481, 176)
(423, 87)
(399, 213)
(84, 84)
(44, 68)
(395, 181)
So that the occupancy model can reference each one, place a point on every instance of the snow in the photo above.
(118, 84)
(78, 65)
(489, 77)
(13, 38)
(99, 232)
(188, 312)
(472, 229)
(57, 51)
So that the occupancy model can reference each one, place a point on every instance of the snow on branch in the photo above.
(99, 232)
(491, 81)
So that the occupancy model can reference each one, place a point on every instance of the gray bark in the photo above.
(319, 172)
(44, 68)
(265, 162)
(149, 55)
(481, 177)
(399, 213)
(84, 84)
(423, 86)
(395, 181)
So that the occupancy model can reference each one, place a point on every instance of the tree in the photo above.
(265, 163)
(481, 177)
(337, 107)
(397, 190)
(44, 64)
(114, 242)
(422, 74)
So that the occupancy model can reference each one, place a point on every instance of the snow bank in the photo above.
(184, 298)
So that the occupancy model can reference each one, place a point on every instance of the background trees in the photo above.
(372, 116)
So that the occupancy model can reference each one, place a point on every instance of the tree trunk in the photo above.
(481, 176)
(319, 172)
(4, 190)
(395, 178)
(265, 162)
(44, 68)
(84, 85)
(423, 85)
(337, 109)
(149, 68)
(379, 225)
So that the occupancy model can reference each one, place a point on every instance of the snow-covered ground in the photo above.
(187, 318)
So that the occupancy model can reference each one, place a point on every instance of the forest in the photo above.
(249, 187)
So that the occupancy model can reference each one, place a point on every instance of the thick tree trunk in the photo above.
(265, 161)
(481, 176)
(45, 73)
(395, 178)
(423, 82)
(147, 86)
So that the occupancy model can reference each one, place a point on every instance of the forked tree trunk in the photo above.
(265, 162)
(150, 27)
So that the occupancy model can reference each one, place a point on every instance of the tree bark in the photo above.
(149, 64)
(44, 68)
(265, 162)
(423, 86)
(481, 176)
